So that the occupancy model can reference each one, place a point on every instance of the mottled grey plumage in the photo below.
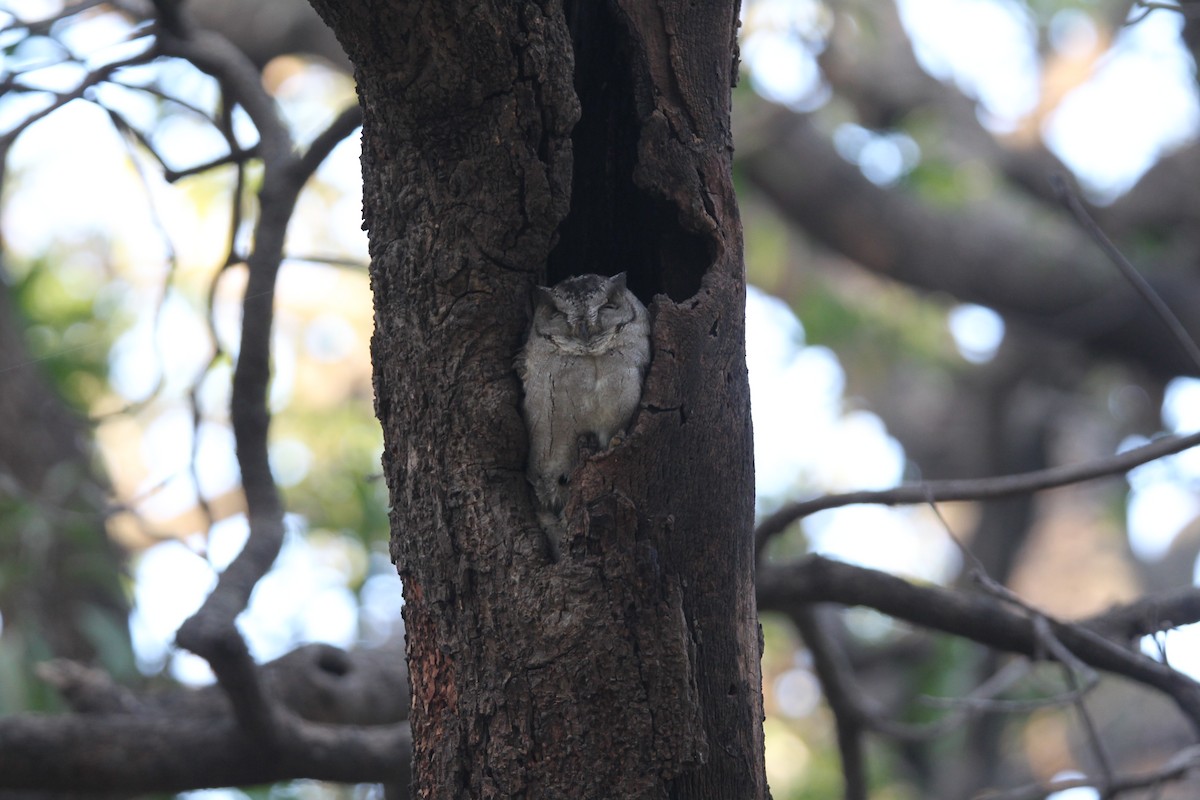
(582, 368)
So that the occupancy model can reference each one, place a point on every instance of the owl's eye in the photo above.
(609, 306)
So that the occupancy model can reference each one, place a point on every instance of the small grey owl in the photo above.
(582, 368)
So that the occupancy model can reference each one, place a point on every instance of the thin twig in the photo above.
(213, 54)
(348, 121)
(1049, 645)
(127, 128)
(193, 400)
(983, 700)
(1073, 671)
(1149, 615)
(1174, 768)
(835, 673)
(96, 76)
(155, 91)
(330, 261)
(977, 489)
(40, 26)
(1070, 200)
(156, 221)
(236, 156)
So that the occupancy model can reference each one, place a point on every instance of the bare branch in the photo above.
(95, 77)
(977, 489)
(1073, 671)
(1032, 266)
(167, 97)
(1176, 767)
(983, 700)
(123, 753)
(42, 25)
(1149, 615)
(978, 618)
(1070, 199)
(330, 261)
(211, 632)
(215, 56)
(349, 120)
(317, 682)
(177, 739)
(236, 156)
(836, 675)
(887, 86)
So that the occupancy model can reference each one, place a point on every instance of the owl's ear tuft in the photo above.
(617, 282)
(543, 295)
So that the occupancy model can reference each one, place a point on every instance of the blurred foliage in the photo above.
(50, 552)
(342, 488)
(71, 313)
(872, 325)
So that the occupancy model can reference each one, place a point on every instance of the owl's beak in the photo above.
(582, 330)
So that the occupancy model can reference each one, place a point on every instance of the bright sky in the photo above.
(1109, 132)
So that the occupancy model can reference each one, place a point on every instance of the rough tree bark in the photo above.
(503, 146)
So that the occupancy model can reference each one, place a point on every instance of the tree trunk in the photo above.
(504, 146)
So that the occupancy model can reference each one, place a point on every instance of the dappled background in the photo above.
(922, 307)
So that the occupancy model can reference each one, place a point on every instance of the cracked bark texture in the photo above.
(503, 147)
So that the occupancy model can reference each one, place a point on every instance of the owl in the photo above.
(582, 367)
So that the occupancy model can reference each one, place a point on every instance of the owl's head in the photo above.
(582, 315)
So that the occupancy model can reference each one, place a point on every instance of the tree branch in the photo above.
(211, 632)
(1148, 615)
(97, 76)
(979, 618)
(1070, 199)
(1174, 768)
(175, 739)
(836, 676)
(977, 489)
(317, 682)
(879, 74)
(1016, 258)
(127, 754)
(349, 120)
